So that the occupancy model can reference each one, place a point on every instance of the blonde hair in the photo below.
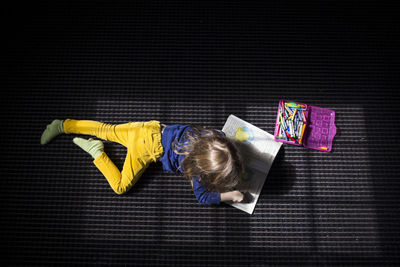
(211, 156)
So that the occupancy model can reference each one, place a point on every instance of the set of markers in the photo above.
(292, 122)
(302, 125)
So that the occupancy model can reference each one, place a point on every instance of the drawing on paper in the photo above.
(244, 134)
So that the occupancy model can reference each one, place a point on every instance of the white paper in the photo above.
(258, 149)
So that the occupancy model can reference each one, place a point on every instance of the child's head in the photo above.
(212, 157)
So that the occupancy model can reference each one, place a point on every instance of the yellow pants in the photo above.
(142, 140)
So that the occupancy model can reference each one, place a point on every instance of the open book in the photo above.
(258, 149)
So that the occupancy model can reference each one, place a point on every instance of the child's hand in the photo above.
(234, 196)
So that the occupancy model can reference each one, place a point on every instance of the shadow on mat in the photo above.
(281, 177)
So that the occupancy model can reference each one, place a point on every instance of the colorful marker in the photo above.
(288, 110)
(291, 121)
(302, 132)
(304, 116)
(288, 135)
(294, 114)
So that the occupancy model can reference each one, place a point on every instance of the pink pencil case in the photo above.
(302, 125)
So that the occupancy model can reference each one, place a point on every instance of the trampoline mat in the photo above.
(182, 63)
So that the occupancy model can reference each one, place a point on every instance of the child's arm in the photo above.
(234, 196)
(206, 197)
(203, 195)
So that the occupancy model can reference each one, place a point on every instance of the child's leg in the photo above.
(53, 129)
(110, 132)
(143, 142)
(121, 182)
(118, 182)
(93, 147)
(143, 147)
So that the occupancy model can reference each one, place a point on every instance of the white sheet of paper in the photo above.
(258, 149)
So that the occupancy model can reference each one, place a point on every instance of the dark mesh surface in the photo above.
(117, 61)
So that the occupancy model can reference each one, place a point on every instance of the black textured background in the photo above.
(117, 61)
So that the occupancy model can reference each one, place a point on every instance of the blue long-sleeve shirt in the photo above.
(171, 161)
